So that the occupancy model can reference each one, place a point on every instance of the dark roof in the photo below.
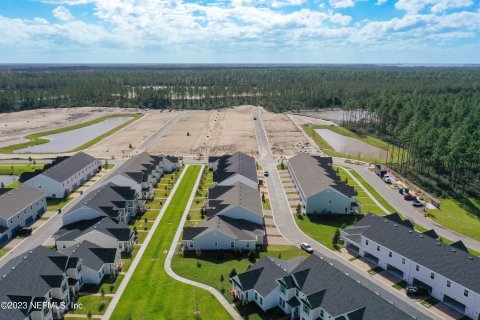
(327, 287)
(263, 275)
(459, 245)
(315, 174)
(106, 225)
(139, 168)
(238, 163)
(107, 198)
(12, 201)
(92, 255)
(235, 228)
(449, 261)
(69, 167)
(172, 159)
(431, 233)
(221, 198)
(33, 273)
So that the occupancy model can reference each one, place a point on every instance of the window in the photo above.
(216, 244)
(306, 309)
(321, 313)
(346, 210)
(100, 274)
(366, 242)
(449, 284)
(232, 244)
(64, 288)
(403, 260)
(465, 293)
(191, 244)
(261, 300)
(282, 289)
(417, 268)
(256, 297)
(329, 201)
(296, 292)
(248, 244)
(378, 248)
(432, 275)
(390, 254)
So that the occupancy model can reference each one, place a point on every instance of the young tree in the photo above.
(299, 209)
(336, 238)
(232, 273)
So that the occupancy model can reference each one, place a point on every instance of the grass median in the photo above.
(151, 293)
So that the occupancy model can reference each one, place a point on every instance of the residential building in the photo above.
(18, 208)
(319, 186)
(97, 262)
(311, 289)
(109, 200)
(169, 163)
(229, 169)
(103, 231)
(448, 272)
(64, 175)
(141, 173)
(235, 220)
(40, 275)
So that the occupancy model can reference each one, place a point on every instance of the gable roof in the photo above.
(221, 198)
(140, 167)
(237, 163)
(449, 261)
(108, 199)
(92, 255)
(106, 225)
(69, 167)
(329, 288)
(235, 228)
(263, 275)
(12, 201)
(315, 174)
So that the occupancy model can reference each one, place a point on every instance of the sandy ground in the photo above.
(14, 126)
(283, 135)
(210, 133)
(118, 144)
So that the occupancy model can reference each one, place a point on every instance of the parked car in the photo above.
(417, 203)
(416, 291)
(266, 173)
(387, 179)
(25, 231)
(306, 247)
(409, 197)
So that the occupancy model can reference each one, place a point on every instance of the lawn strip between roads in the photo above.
(150, 293)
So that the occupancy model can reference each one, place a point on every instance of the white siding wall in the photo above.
(83, 213)
(52, 188)
(239, 212)
(19, 219)
(239, 178)
(216, 240)
(96, 237)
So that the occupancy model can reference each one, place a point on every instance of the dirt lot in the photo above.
(118, 144)
(283, 135)
(210, 132)
(14, 126)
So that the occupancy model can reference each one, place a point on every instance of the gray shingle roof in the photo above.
(263, 275)
(107, 198)
(139, 167)
(106, 225)
(451, 262)
(222, 198)
(69, 167)
(238, 163)
(315, 174)
(236, 228)
(92, 255)
(329, 288)
(12, 201)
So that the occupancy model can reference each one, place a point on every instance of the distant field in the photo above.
(18, 168)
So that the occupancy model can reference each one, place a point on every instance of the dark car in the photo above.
(416, 291)
(266, 174)
(409, 197)
(25, 231)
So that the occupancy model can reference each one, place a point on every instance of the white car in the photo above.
(306, 247)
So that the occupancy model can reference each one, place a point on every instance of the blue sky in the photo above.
(240, 31)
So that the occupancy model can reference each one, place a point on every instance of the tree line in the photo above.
(431, 114)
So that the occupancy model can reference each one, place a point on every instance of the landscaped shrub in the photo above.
(252, 257)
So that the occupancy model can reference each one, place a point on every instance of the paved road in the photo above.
(286, 224)
(161, 131)
(405, 208)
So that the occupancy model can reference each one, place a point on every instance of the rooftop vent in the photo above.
(438, 243)
(410, 231)
(421, 236)
(453, 250)
(396, 225)
(471, 258)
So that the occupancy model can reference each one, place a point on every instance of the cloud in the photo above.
(62, 13)
(380, 2)
(342, 3)
(437, 6)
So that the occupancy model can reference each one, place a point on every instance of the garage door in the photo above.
(454, 303)
(371, 258)
(28, 220)
(395, 271)
(4, 238)
(422, 284)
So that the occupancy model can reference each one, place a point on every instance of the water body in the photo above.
(7, 179)
(351, 146)
(69, 140)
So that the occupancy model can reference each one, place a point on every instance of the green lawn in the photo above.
(453, 215)
(329, 150)
(17, 169)
(322, 228)
(429, 302)
(151, 293)
(4, 251)
(15, 184)
(38, 138)
(55, 204)
(266, 204)
(92, 304)
(108, 285)
(208, 269)
(400, 285)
